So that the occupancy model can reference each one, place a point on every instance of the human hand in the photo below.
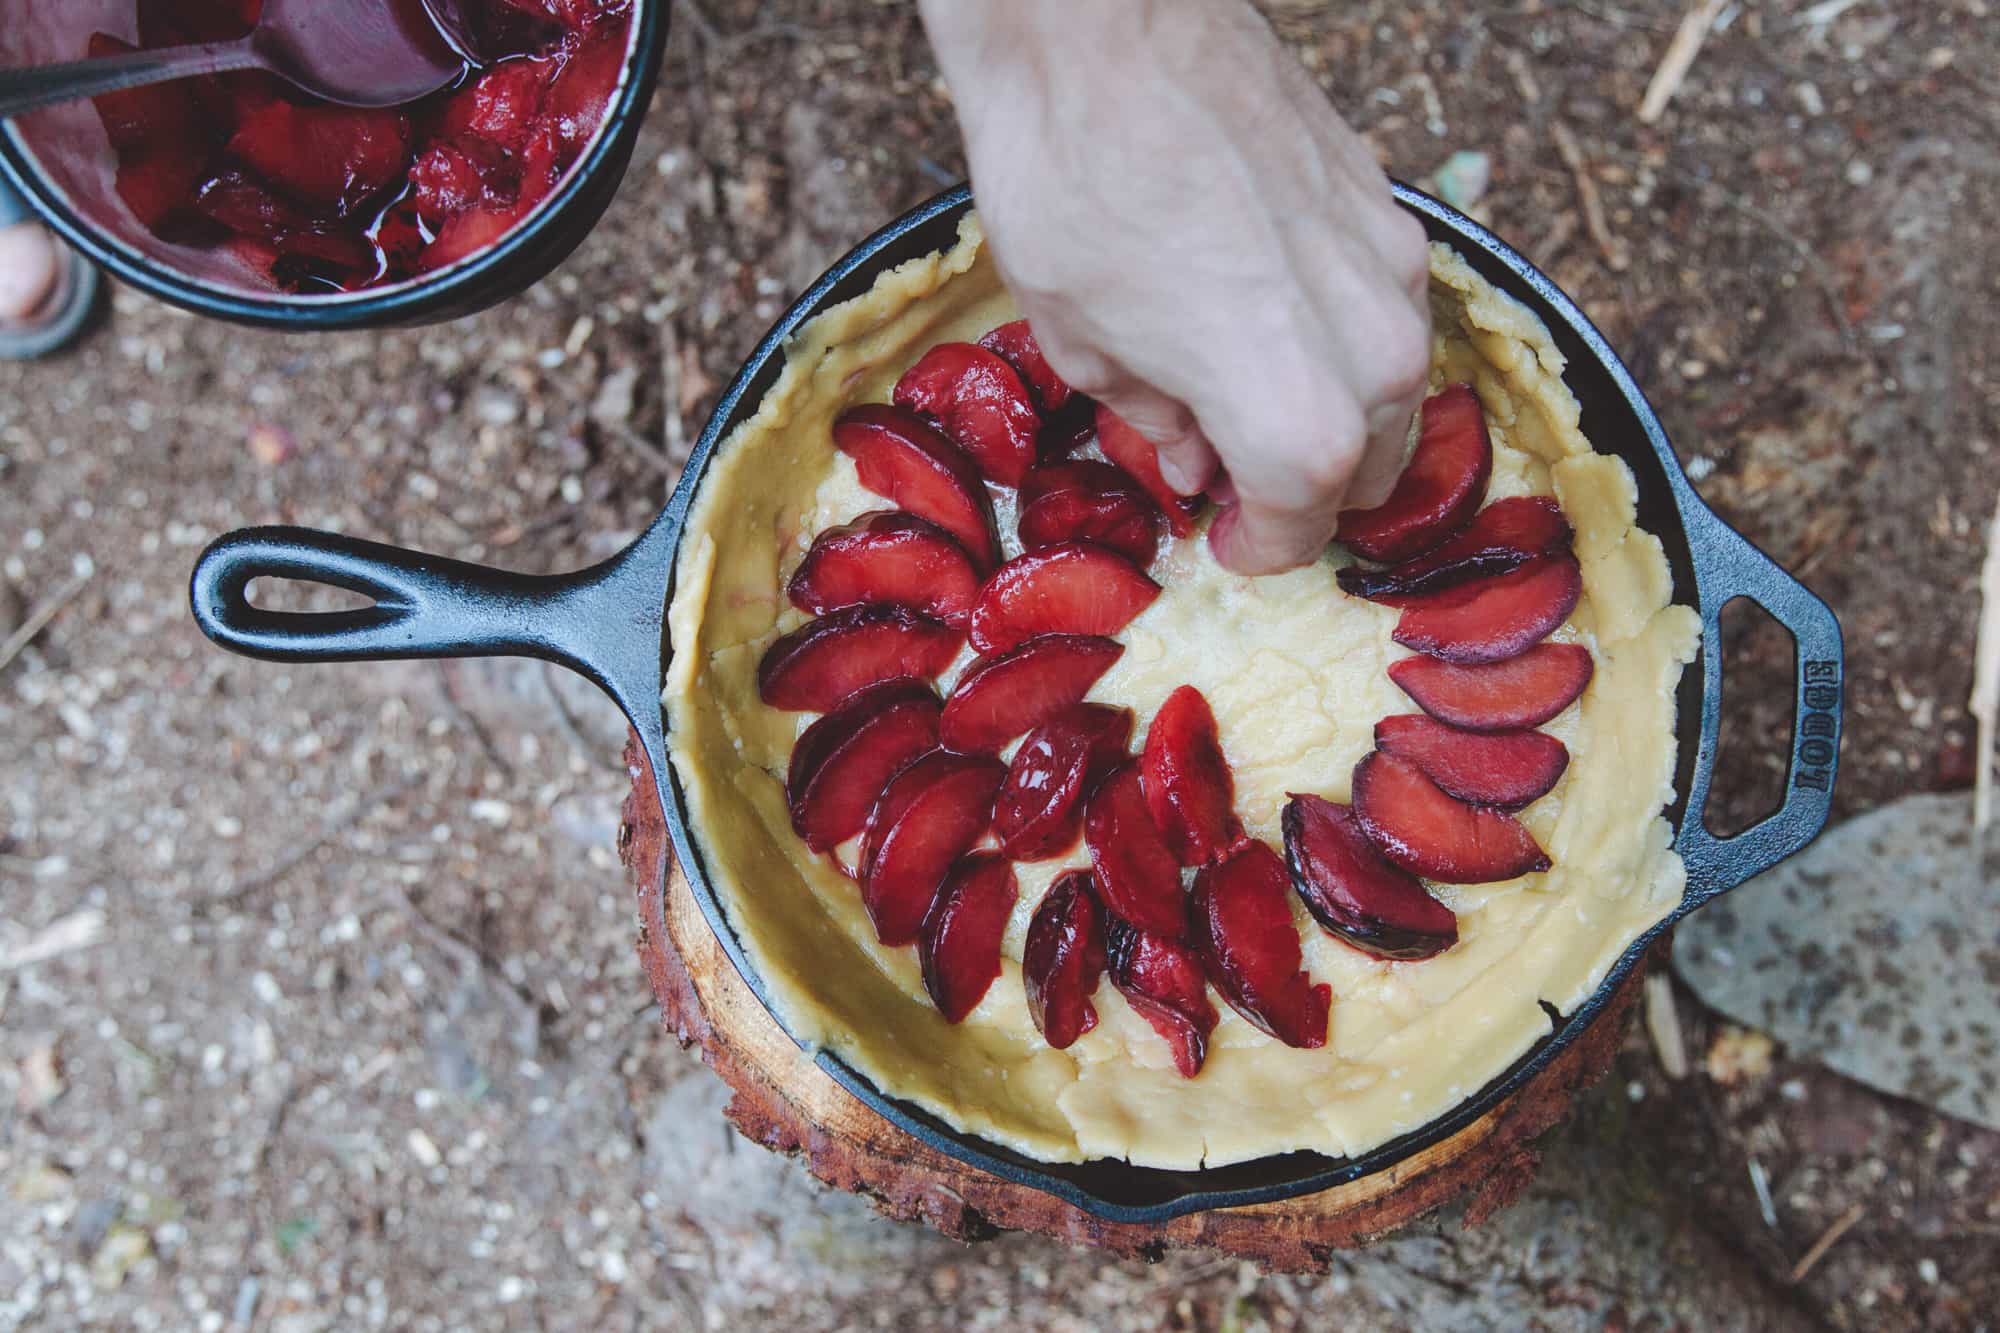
(1200, 243)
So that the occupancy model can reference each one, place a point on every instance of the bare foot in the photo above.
(29, 266)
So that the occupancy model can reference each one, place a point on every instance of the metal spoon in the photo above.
(354, 52)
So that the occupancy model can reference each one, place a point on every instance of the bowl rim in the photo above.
(408, 300)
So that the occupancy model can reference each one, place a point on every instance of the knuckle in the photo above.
(1409, 255)
(1402, 352)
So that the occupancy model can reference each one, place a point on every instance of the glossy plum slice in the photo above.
(148, 118)
(1523, 691)
(1507, 769)
(1015, 343)
(1063, 959)
(929, 815)
(823, 661)
(980, 403)
(234, 201)
(1189, 788)
(1417, 826)
(899, 455)
(466, 234)
(448, 179)
(1137, 874)
(578, 96)
(843, 762)
(1350, 890)
(1039, 812)
(1135, 453)
(1249, 945)
(501, 104)
(1502, 537)
(1067, 430)
(330, 159)
(887, 558)
(959, 947)
(1439, 490)
(159, 185)
(999, 698)
(1075, 588)
(1497, 618)
(1088, 501)
(1168, 986)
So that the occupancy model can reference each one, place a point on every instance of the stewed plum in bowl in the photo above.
(236, 195)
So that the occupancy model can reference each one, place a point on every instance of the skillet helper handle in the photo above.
(1729, 567)
(425, 605)
(604, 622)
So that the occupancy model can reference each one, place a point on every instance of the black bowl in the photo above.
(60, 160)
(607, 622)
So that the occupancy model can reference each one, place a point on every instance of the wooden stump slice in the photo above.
(788, 1104)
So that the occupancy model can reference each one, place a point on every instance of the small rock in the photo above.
(270, 444)
(1462, 180)
(616, 397)
(41, 1182)
(41, 1079)
(423, 1149)
(121, 1252)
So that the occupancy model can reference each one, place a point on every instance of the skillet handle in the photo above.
(604, 622)
(1728, 566)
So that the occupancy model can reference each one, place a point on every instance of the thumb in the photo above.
(1187, 460)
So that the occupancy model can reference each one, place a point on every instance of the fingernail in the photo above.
(1175, 477)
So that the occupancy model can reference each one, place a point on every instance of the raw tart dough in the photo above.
(1295, 672)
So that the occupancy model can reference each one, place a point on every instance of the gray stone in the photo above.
(1876, 952)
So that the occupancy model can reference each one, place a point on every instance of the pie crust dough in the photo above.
(1295, 672)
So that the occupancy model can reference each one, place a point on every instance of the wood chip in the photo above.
(1986, 681)
(1586, 195)
(66, 934)
(1663, 1025)
(1679, 58)
(1841, 1226)
(39, 618)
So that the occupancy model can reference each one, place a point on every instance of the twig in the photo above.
(1663, 1024)
(1986, 680)
(1841, 1226)
(469, 722)
(646, 449)
(1679, 59)
(1617, 18)
(66, 934)
(332, 829)
(1823, 13)
(1586, 194)
(38, 619)
(1760, 1184)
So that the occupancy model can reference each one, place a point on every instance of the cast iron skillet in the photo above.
(607, 622)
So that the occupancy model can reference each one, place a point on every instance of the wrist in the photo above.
(997, 54)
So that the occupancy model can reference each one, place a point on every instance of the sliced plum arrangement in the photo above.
(1440, 488)
(319, 198)
(1352, 891)
(1177, 899)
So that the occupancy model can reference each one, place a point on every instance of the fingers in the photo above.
(1386, 452)
(1249, 538)
(1187, 459)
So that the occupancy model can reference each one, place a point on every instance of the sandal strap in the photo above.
(13, 208)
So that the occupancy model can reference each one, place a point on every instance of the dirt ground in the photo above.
(362, 1040)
